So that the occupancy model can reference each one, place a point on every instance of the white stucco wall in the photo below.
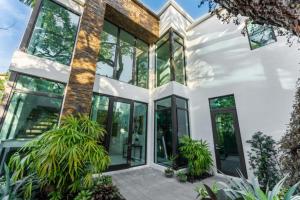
(220, 62)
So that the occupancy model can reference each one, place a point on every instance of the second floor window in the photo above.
(54, 33)
(170, 59)
(260, 35)
(123, 57)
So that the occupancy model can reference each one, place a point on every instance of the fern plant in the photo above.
(198, 155)
(64, 158)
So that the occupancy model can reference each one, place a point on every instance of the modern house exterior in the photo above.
(148, 78)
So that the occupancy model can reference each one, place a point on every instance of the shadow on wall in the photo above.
(224, 57)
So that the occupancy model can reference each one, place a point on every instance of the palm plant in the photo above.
(64, 158)
(198, 155)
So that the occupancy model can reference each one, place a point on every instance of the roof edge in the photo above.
(200, 20)
(178, 8)
(145, 7)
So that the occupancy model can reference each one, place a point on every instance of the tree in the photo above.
(263, 160)
(290, 143)
(279, 13)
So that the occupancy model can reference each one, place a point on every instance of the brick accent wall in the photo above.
(130, 15)
(80, 87)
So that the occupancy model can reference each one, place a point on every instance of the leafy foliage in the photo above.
(204, 192)
(290, 143)
(65, 157)
(84, 195)
(263, 159)
(14, 190)
(242, 189)
(182, 177)
(198, 155)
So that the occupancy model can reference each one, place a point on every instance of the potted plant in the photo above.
(169, 172)
(182, 177)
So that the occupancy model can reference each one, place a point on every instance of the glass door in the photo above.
(120, 134)
(228, 146)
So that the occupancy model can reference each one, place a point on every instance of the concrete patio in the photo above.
(150, 184)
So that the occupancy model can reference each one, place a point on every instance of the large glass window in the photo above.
(123, 57)
(260, 35)
(54, 33)
(171, 123)
(170, 59)
(33, 109)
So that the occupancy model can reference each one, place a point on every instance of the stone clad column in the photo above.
(78, 97)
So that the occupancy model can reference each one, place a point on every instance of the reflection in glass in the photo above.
(54, 33)
(138, 146)
(226, 143)
(105, 65)
(222, 102)
(39, 85)
(125, 58)
(99, 111)
(30, 115)
(163, 136)
(119, 136)
(163, 70)
(142, 60)
(260, 35)
(178, 56)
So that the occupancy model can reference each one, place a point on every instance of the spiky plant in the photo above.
(64, 158)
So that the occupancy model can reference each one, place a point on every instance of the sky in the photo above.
(15, 16)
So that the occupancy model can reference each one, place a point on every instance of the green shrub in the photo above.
(198, 155)
(204, 194)
(64, 158)
(84, 195)
(106, 192)
(263, 160)
(182, 177)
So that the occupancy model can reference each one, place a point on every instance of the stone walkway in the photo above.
(150, 184)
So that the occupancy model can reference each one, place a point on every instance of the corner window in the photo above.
(171, 123)
(34, 108)
(170, 59)
(54, 34)
(123, 57)
(260, 35)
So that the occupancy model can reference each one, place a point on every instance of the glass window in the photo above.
(39, 85)
(138, 154)
(125, 58)
(30, 115)
(100, 110)
(54, 33)
(34, 108)
(163, 67)
(181, 103)
(170, 66)
(222, 102)
(260, 35)
(171, 123)
(109, 35)
(142, 60)
(164, 103)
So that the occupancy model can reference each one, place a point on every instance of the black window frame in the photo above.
(249, 36)
(106, 141)
(175, 139)
(238, 136)
(171, 41)
(134, 66)
(32, 23)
